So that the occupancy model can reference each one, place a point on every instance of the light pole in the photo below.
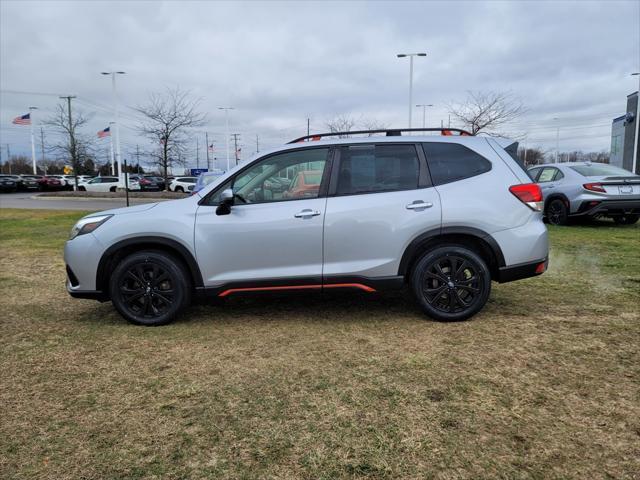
(634, 166)
(424, 113)
(226, 117)
(33, 142)
(557, 138)
(411, 55)
(117, 122)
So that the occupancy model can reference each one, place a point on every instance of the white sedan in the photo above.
(99, 184)
(182, 184)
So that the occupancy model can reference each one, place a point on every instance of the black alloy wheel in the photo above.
(150, 288)
(557, 213)
(451, 283)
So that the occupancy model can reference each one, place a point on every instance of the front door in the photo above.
(273, 235)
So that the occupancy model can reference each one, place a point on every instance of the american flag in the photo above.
(22, 120)
(104, 133)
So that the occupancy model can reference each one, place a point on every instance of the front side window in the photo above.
(377, 168)
(96, 180)
(286, 176)
(449, 162)
(533, 173)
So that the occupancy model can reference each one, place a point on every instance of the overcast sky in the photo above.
(279, 63)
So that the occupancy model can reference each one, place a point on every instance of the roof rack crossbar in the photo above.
(390, 132)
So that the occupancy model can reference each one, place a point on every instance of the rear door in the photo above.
(380, 198)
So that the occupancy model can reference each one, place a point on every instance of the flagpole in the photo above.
(33, 141)
(113, 171)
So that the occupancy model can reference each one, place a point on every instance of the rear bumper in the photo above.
(608, 207)
(522, 270)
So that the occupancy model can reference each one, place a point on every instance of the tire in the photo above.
(626, 219)
(179, 189)
(143, 301)
(557, 212)
(82, 189)
(451, 298)
(112, 189)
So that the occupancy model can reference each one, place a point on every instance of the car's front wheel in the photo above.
(150, 288)
(451, 283)
(179, 189)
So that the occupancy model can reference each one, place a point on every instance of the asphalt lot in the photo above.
(30, 200)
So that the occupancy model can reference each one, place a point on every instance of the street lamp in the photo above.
(411, 55)
(557, 138)
(226, 116)
(117, 122)
(33, 142)
(634, 166)
(424, 113)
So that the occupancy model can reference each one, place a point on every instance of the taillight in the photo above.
(595, 187)
(528, 193)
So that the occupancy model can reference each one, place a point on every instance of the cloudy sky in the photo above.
(279, 63)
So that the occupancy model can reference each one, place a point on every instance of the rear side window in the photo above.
(377, 168)
(449, 162)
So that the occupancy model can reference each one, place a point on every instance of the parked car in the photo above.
(99, 184)
(140, 183)
(205, 179)
(585, 189)
(442, 216)
(8, 183)
(24, 184)
(67, 181)
(46, 183)
(159, 181)
(182, 184)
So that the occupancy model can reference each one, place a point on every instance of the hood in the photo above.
(125, 210)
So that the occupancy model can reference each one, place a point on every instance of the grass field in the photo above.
(544, 383)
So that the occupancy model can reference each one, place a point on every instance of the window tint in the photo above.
(377, 168)
(287, 176)
(449, 162)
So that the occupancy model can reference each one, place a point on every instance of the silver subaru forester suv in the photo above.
(441, 215)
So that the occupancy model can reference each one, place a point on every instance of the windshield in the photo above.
(600, 170)
(207, 179)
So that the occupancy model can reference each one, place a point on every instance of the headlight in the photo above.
(88, 225)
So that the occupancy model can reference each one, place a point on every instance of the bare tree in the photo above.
(346, 123)
(73, 146)
(169, 116)
(341, 123)
(486, 111)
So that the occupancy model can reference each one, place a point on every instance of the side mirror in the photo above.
(226, 200)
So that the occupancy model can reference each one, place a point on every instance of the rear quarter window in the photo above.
(449, 162)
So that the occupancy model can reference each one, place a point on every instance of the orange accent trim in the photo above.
(296, 287)
(350, 285)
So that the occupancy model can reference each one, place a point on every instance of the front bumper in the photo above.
(82, 257)
(608, 207)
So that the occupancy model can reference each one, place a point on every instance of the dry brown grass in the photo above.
(544, 383)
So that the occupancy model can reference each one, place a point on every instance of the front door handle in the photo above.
(419, 205)
(307, 213)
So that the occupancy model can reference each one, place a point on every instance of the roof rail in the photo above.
(390, 132)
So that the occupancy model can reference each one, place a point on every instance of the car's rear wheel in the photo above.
(150, 288)
(626, 219)
(451, 283)
(557, 212)
(82, 189)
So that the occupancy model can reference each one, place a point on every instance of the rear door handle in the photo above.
(419, 205)
(307, 213)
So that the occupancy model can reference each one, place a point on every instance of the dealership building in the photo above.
(625, 150)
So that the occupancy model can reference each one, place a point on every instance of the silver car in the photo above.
(585, 189)
(443, 216)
